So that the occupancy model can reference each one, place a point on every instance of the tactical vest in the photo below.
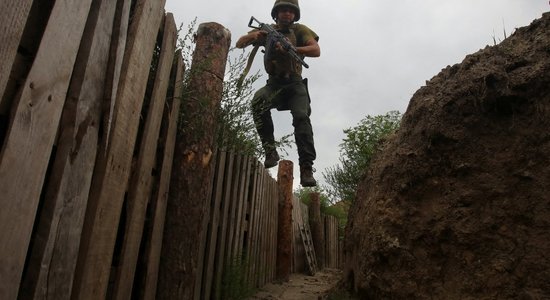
(279, 64)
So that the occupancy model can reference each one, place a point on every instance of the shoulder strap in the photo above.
(247, 69)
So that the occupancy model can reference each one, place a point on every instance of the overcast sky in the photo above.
(374, 53)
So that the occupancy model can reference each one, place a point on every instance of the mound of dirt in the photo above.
(457, 204)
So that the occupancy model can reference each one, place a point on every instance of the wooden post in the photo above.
(188, 201)
(316, 226)
(284, 233)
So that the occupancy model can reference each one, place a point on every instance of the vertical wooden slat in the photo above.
(239, 170)
(13, 17)
(159, 199)
(203, 243)
(30, 137)
(53, 257)
(241, 209)
(262, 235)
(256, 229)
(251, 224)
(231, 258)
(118, 47)
(113, 167)
(212, 235)
(275, 226)
(269, 230)
(141, 181)
(222, 228)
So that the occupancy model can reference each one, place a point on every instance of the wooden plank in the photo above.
(261, 233)
(212, 235)
(233, 207)
(142, 178)
(159, 200)
(273, 231)
(242, 196)
(219, 264)
(30, 137)
(13, 17)
(52, 262)
(113, 166)
(275, 205)
(239, 201)
(267, 211)
(255, 245)
(231, 259)
(118, 47)
(203, 240)
(250, 225)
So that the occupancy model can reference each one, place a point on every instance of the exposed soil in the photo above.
(302, 287)
(457, 205)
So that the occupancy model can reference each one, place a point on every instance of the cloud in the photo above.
(374, 54)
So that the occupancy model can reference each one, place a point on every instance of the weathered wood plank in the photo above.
(233, 207)
(244, 190)
(229, 256)
(250, 223)
(139, 190)
(203, 240)
(116, 58)
(113, 166)
(259, 233)
(274, 214)
(30, 137)
(160, 198)
(254, 242)
(53, 257)
(212, 235)
(219, 263)
(13, 17)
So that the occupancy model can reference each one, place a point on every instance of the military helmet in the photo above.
(291, 3)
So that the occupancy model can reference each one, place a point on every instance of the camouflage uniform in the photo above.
(286, 90)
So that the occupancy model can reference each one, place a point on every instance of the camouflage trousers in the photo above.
(290, 95)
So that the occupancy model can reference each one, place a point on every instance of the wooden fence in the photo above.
(332, 239)
(240, 249)
(88, 119)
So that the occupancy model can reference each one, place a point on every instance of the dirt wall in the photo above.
(457, 205)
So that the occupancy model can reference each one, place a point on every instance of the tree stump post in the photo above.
(284, 232)
(188, 201)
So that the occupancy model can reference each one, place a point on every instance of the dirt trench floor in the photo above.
(302, 287)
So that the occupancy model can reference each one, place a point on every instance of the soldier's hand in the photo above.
(260, 34)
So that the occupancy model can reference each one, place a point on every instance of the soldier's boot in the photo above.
(306, 176)
(271, 159)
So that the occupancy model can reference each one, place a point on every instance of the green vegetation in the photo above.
(356, 152)
(234, 284)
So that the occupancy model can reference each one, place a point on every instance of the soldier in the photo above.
(285, 88)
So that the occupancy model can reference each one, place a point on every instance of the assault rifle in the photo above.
(274, 37)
